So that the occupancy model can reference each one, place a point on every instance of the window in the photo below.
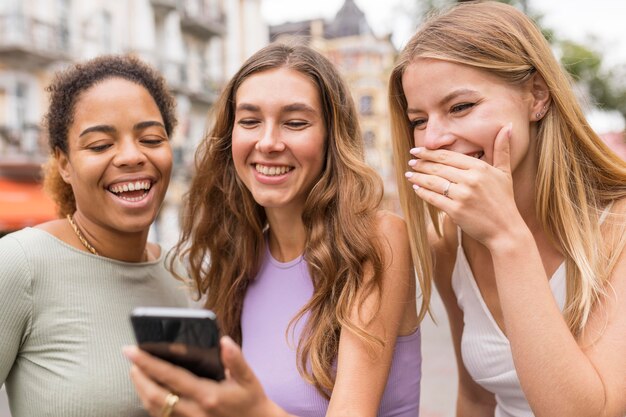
(366, 105)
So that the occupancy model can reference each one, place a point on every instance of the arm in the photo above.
(15, 303)
(240, 394)
(361, 376)
(560, 375)
(361, 373)
(473, 400)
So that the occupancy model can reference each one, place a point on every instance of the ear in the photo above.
(63, 164)
(540, 97)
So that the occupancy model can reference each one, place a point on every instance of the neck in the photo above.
(109, 243)
(286, 235)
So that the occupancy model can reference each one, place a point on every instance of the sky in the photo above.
(601, 23)
(573, 19)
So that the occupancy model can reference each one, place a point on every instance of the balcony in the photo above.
(26, 41)
(25, 144)
(204, 91)
(163, 7)
(202, 20)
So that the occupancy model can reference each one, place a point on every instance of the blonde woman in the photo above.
(528, 215)
(305, 272)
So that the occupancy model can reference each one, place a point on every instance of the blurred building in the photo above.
(196, 44)
(365, 62)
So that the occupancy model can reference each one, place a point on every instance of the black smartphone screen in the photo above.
(185, 337)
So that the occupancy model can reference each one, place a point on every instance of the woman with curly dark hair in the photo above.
(67, 286)
(305, 272)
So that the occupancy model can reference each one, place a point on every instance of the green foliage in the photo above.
(606, 87)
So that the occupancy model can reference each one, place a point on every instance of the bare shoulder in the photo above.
(394, 241)
(391, 225)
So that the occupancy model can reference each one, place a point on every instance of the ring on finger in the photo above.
(447, 189)
(170, 402)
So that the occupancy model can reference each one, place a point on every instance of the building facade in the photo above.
(365, 61)
(196, 44)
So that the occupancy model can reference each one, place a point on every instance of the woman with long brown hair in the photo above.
(528, 209)
(283, 234)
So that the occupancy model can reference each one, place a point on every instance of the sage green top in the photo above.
(64, 318)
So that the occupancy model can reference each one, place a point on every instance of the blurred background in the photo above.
(199, 44)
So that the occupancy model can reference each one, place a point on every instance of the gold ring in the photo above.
(170, 402)
(447, 189)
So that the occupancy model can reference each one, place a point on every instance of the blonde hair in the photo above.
(577, 176)
(223, 226)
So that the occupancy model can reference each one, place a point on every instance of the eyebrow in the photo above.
(451, 96)
(294, 107)
(111, 129)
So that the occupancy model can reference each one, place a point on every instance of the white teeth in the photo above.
(131, 186)
(272, 171)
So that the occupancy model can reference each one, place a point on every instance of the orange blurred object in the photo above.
(23, 204)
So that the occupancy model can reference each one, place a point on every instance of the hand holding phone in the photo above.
(183, 336)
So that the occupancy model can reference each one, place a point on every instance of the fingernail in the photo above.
(408, 174)
(416, 187)
(130, 352)
(227, 340)
(413, 162)
(415, 151)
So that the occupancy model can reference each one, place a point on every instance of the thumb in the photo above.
(502, 149)
(234, 362)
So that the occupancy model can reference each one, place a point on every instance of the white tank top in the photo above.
(485, 349)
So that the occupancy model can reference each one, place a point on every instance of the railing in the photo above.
(27, 142)
(28, 33)
(204, 19)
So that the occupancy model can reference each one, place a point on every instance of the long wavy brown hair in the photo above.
(578, 176)
(222, 238)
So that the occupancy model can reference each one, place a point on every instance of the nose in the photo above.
(270, 141)
(129, 153)
(436, 135)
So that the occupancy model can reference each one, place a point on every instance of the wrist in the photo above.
(512, 242)
(272, 409)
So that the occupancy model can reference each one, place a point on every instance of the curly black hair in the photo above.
(69, 84)
(65, 91)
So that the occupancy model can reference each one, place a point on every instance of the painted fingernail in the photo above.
(408, 174)
(415, 151)
(130, 352)
(416, 187)
(413, 162)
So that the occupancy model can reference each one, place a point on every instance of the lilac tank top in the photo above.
(273, 298)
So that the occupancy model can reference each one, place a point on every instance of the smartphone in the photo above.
(183, 336)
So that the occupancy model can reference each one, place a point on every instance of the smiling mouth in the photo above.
(273, 170)
(131, 191)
